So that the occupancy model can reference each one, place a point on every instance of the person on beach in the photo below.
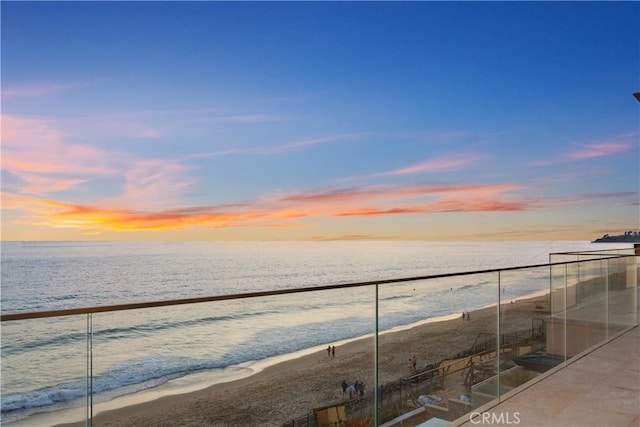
(463, 315)
(352, 391)
(344, 387)
(414, 363)
(328, 351)
(333, 351)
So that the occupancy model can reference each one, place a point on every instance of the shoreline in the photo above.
(444, 336)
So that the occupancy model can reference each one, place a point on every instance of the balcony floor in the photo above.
(601, 389)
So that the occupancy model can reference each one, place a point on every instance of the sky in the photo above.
(319, 120)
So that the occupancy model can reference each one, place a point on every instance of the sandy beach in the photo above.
(291, 389)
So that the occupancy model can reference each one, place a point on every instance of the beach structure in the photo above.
(463, 369)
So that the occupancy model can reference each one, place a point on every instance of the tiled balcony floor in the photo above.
(601, 389)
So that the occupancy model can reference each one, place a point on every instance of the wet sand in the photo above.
(291, 389)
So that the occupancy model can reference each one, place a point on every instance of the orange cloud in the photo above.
(297, 210)
(462, 205)
(382, 200)
(386, 192)
(95, 219)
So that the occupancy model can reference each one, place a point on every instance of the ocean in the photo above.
(147, 352)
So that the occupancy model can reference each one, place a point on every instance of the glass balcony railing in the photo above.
(410, 349)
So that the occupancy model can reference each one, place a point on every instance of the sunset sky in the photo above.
(319, 121)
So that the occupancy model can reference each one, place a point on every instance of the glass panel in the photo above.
(622, 289)
(555, 325)
(525, 311)
(586, 320)
(44, 370)
(432, 363)
(274, 360)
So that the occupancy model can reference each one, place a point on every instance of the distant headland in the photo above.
(627, 237)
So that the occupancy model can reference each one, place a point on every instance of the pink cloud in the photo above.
(387, 192)
(439, 164)
(442, 164)
(40, 155)
(37, 146)
(33, 90)
(619, 144)
(450, 205)
(154, 183)
(39, 184)
(591, 151)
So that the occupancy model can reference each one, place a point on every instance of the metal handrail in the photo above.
(133, 306)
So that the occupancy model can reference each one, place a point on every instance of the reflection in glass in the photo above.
(525, 324)
(586, 319)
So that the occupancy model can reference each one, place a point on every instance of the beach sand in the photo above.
(291, 389)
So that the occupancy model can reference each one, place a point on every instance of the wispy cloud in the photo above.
(439, 164)
(155, 182)
(42, 158)
(35, 145)
(388, 192)
(592, 151)
(620, 144)
(42, 184)
(33, 91)
(281, 148)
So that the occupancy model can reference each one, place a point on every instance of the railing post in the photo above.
(376, 376)
(89, 420)
(606, 298)
(498, 337)
(565, 334)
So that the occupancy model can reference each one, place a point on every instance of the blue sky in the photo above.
(319, 121)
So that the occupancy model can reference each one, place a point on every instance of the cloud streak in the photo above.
(440, 164)
(620, 144)
(605, 149)
(33, 91)
(281, 148)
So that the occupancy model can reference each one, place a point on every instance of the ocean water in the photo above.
(44, 361)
